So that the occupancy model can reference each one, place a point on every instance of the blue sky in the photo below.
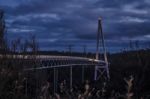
(59, 23)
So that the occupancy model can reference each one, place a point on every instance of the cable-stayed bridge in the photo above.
(54, 62)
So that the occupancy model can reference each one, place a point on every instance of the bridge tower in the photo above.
(101, 72)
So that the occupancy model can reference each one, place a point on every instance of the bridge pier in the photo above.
(70, 78)
(82, 74)
(101, 72)
(95, 73)
(55, 80)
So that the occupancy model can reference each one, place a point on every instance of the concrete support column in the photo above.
(70, 78)
(55, 79)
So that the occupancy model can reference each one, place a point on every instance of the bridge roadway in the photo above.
(49, 61)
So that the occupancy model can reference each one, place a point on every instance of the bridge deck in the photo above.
(50, 57)
(49, 61)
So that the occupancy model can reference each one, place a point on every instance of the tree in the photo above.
(2, 30)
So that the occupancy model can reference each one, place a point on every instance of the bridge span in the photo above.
(46, 62)
(51, 61)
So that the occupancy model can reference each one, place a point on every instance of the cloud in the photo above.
(75, 21)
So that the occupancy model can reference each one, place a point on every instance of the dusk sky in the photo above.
(59, 23)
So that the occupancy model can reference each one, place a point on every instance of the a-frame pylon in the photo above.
(101, 72)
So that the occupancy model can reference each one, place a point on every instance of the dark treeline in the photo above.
(122, 65)
(134, 63)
